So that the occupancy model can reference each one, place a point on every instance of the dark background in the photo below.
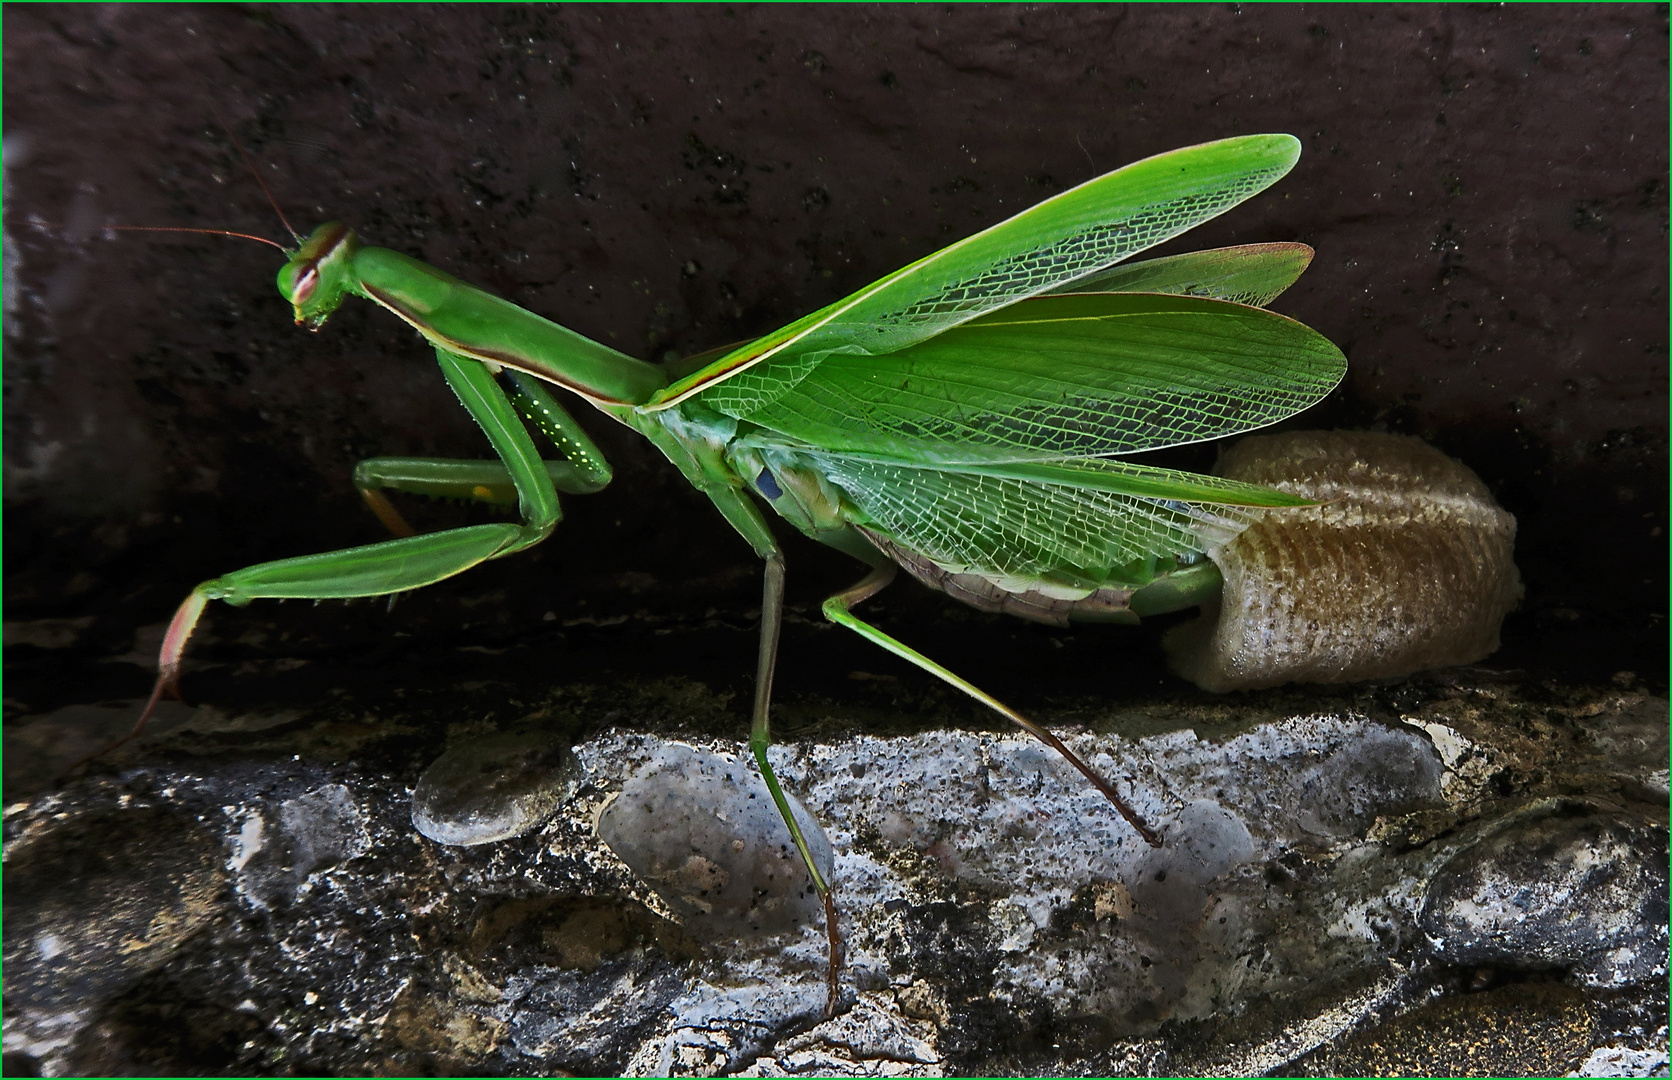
(1486, 188)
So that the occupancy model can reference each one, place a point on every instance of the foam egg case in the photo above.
(1406, 565)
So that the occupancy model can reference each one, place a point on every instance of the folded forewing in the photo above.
(1065, 238)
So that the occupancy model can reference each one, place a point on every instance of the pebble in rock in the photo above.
(1563, 889)
(702, 830)
(317, 830)
(1172, 898)
(493, 788)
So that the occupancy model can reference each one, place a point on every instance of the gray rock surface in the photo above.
(96, 900)
(1465, 860)
(1560, 886)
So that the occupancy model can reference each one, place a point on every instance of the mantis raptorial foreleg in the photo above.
(411, 562)
(838, 609)
(582, 472)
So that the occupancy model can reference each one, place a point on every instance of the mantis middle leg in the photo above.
(747, 520)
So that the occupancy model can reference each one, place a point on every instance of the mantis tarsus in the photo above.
(962, 417)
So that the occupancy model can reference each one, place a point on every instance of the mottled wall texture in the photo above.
(1486, 189)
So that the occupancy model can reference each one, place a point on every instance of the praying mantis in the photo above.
(963, 417)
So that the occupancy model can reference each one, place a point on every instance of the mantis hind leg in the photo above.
(838, 609)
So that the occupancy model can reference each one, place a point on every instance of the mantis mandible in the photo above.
(962, 418)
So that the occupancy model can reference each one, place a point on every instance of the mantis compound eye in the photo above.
(306, 283)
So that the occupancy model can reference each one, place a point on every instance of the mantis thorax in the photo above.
(320, 273)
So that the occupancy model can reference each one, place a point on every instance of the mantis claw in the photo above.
(168, 669)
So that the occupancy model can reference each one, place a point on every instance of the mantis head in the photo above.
(320, 274)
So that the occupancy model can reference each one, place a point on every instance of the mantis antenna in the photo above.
(265, 190)
(250, 164)
(209, 232)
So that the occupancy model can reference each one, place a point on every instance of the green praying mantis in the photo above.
(963, 417)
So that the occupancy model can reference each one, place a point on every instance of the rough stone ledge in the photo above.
(1345, 889)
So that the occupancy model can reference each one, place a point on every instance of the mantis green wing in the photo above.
(1062, 239)
(1063, 377)
(1253, 274)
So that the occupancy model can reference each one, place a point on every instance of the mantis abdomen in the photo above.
(1188, 584)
